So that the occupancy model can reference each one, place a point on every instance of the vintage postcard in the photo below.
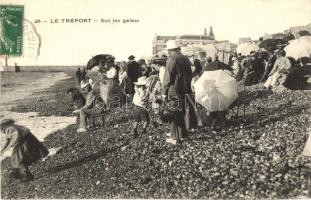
(166, 99)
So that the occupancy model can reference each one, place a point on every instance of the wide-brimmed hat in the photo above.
(172, 44)
(131, 57)
(7, 121)
(141, 81)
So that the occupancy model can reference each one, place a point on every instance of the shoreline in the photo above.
(40, 126)
(8, 97)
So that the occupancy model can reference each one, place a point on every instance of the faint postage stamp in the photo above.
(11, 30)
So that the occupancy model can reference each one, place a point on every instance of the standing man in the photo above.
(176, 85)
(78, 75)
(133, 71)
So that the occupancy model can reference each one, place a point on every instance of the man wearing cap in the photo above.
(90, 108)
(176, 85)
(133, 71)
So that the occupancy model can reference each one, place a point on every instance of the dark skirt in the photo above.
(28, 151)
(115, 96)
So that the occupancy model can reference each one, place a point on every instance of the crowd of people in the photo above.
(166, 83)
(163, 83)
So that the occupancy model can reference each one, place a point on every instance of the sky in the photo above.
(75, 43)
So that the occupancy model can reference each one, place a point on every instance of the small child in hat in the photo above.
(27, 149)
(140, 101)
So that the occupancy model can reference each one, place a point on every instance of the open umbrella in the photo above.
(216, 90)
(271, 44)
(191, 50)
(299, 48)
(94, 61)
(246, 48)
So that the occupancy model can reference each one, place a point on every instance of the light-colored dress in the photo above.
(110, 90)
(281, 67)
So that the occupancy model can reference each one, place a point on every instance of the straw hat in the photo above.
(141, 81)
(172, 44)
(7, 122)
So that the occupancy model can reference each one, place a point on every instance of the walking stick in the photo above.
(197, 114)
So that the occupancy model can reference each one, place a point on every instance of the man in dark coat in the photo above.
(176, 85)
(133, 71)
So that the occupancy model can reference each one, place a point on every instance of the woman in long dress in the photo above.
(27, 149)
(111, 91)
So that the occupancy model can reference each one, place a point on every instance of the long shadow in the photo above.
(85, 159)
(258, 119)
(246, 97)
(79, 161)
(261, 117)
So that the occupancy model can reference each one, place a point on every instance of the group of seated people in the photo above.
(274, 69)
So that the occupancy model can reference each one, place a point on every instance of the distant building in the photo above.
(295, 30)
(291, 32)
(159, 42)
(211, 33)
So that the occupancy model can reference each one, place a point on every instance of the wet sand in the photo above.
(18, 86)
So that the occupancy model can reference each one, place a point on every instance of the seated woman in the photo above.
(280, 70)
(93, 106)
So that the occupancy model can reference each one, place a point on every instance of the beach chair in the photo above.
(99, 103)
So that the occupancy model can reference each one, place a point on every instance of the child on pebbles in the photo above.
(140, 101)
